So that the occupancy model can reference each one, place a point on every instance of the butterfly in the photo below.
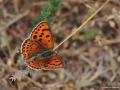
(37, 49)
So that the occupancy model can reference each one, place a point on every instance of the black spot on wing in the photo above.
(42, 25)
(40, 40)
(36, 32)
(35, 36)
(40, 36)
(45, 30)
(47, 36)
(42, 33)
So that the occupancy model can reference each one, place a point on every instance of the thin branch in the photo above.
(80, 27)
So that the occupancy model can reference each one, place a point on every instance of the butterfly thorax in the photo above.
(43, 55)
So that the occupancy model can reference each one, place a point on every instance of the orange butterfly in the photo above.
(38, 51)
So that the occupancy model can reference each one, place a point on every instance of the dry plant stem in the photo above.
(12, 55)
(14, 20)
(18, 18)
(29, 79)
(100, 70)
(15, 70)
(111, 42)
(80, 28)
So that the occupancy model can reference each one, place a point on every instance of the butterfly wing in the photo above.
(54, 62)
(43, 34)
(30, 48)
(41, 39)
(50, 63)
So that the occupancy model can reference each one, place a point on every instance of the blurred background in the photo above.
(92, 57)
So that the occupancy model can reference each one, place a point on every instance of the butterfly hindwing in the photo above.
(53, 62)
(43, 34)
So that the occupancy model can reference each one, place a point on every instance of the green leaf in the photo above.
(88, 36)
(86, 83)
(48, 12)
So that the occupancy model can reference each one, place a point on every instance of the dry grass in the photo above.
(89, 65)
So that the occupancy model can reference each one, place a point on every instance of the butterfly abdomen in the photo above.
(48, 53)
(44, 55)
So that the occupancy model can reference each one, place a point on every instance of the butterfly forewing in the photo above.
(31, 48)
(42, 33)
